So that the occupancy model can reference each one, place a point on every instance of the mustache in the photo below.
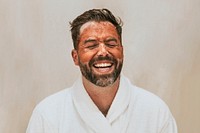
(102, 58)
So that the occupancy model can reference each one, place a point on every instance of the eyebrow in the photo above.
(94, 40)
(90, 40)
(111, 39)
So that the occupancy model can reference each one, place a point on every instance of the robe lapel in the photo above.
(88, 111)
(121, 100)
(121, 107)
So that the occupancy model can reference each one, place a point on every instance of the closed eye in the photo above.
(92, 46)
(111, 43)
(91, 43)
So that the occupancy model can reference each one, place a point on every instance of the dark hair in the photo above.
(97, 15)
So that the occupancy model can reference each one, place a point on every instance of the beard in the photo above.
(105, 79)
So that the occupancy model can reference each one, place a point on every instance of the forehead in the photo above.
(98, 28)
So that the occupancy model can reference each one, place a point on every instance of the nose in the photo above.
(102, 51)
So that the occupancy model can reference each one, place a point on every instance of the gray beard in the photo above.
(101, 80)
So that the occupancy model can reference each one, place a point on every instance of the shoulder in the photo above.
(151, 106)
(50, 105)
(150, 111)
(145, 96)
(50, 112)
(143, 100)
(146, 100)
(141, 96)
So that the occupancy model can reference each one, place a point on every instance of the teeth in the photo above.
(103, 65)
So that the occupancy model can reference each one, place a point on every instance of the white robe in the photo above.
(133, 110)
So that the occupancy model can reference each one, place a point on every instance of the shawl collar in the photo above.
(90, 113)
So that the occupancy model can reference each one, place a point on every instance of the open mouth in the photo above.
(103, 67)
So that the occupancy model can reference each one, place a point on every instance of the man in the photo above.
(102, 100)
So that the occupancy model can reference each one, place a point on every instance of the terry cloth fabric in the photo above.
(133, 110)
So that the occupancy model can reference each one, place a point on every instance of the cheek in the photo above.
(117, 53)
(85, 57)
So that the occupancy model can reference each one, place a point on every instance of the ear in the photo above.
(123, 50)
(75, 57)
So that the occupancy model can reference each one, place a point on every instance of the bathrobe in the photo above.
(133, 110)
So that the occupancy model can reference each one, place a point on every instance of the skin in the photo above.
(99, 39)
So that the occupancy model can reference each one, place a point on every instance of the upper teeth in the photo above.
(103, 65)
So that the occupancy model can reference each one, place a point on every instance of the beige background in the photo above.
(162, 54)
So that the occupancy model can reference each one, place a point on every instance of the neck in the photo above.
(101, 96)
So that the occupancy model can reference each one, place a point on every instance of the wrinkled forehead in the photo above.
(96, 25)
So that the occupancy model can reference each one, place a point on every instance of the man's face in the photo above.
(99, 53)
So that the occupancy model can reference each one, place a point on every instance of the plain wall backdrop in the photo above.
(161, 40)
